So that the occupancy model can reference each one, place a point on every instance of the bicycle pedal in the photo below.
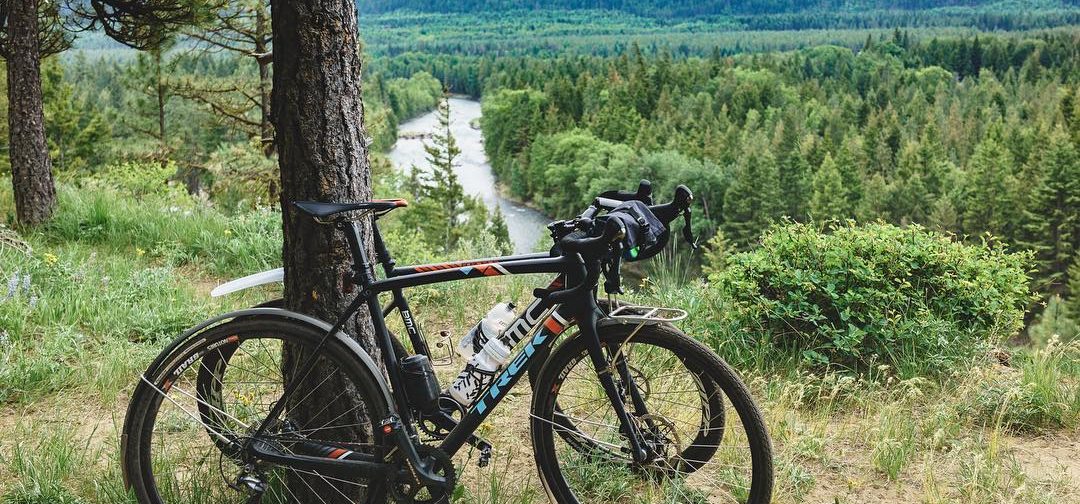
(485, 456)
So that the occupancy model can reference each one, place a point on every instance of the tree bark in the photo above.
(265, 85)
(318, 120)
(31, 168)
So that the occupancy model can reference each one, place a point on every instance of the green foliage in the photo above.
(548, 28)
(1051, 220)
(1039, 393)
(177, 230)
(860, 296)
(990, 192)
(75, 128)
(511, 120)
(140, 178)
(829, 200)
(389, 102)
(716, 255)
(752, 201)
(498, 229)
(43, 469)
(242, 175)
(1055, 322)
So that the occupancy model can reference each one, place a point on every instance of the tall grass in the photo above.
(174, 228)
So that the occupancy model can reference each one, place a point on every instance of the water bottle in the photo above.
(494, 323)
(480, 372)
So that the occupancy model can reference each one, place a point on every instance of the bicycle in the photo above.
(234, 409)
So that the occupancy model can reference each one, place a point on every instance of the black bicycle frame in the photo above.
(543, 320)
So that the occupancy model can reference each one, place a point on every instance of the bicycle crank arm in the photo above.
(395, 431)
(337, 462)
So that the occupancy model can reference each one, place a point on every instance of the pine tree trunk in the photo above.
(31, 169)
(265, 85)
(318, 119)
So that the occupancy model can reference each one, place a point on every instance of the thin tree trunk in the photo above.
(318, 118)
(162, 97)
(31, 168)
(265, 85)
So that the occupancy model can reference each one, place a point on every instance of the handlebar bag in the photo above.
(646, 235)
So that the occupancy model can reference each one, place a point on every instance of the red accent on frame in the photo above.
(553, 325)
(398, 202)
(337, 453)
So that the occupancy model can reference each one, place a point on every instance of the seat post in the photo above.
(381, 253)
(361, 265)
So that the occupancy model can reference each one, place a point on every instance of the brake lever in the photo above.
(613, 271)
(687, 231)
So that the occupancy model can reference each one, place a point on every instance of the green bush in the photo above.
(859, 297)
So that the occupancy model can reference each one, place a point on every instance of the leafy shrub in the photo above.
(140, 178)
(243, 176)
(858, 297)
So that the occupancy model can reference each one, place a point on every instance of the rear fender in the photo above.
(250, 281)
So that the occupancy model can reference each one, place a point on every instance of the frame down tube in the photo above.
(549, 331)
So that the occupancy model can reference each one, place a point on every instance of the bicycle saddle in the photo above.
(325, 211)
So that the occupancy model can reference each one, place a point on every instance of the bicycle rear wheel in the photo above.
(584, 457)
(190, 416)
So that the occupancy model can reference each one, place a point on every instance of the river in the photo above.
(526, 225)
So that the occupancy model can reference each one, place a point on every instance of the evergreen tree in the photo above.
(852, 162)
(753, 200)
(74, 126)
(498, 229)
(990, 202)
(1073, 299)
(715, 254)
(443, 212)
(1052, 220)
(829, 201)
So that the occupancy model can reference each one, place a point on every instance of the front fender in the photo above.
(322, 325)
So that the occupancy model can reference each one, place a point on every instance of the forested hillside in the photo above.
(661, 8)
(974, 136)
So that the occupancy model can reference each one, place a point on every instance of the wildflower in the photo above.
(139, 252)
(13, 286)
(228, 232)
(33, 302)
(26, 282)
(4, 338)
(105, 281)
(50, 258)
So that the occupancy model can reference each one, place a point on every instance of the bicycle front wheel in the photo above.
(191, 416)
(672, 386)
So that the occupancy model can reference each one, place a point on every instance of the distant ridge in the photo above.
(684, 8)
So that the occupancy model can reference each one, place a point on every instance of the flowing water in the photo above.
(526, 225)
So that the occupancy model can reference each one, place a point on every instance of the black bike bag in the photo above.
(646, 235)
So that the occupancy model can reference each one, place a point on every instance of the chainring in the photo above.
(412, 491)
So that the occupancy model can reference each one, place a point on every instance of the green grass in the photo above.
(113, 278)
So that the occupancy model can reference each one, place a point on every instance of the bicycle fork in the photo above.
(605, 373)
